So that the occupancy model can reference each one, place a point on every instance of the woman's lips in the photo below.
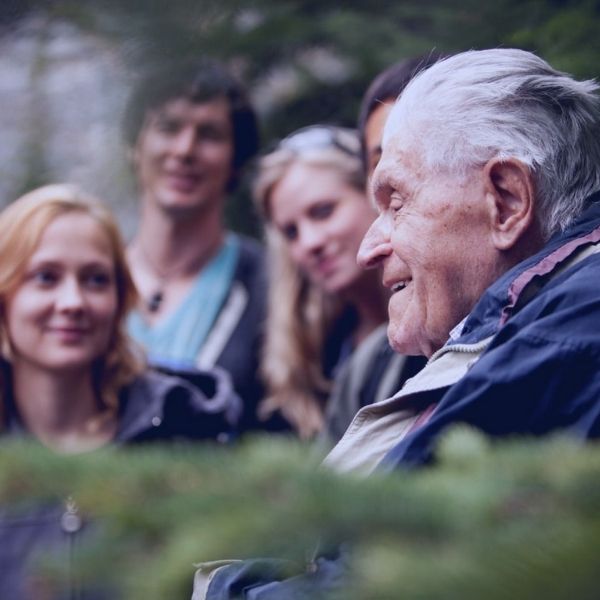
(69, 333)
(326, 266)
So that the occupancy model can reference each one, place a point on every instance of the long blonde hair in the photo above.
(22, 225)
(300, 314)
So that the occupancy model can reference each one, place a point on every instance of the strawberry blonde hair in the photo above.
(22, 224)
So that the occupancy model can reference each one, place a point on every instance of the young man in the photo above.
(190, 131)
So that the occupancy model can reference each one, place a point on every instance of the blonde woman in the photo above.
(310, 190)
(69, 377)
(69, 374)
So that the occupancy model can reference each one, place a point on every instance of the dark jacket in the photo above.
(243, 331)
(155, 408)
(187, 405)
(540, 372)
(371, 374)
(533, 349)
(234, 337)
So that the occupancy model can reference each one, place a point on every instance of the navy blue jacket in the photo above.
(541, 371)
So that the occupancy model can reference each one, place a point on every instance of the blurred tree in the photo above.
(310, 61)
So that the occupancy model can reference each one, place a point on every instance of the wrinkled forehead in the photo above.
(396, 129)
(398, 141)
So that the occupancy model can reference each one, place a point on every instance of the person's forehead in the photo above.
(388, 176)
(216, 106)
(402, 168)
(392, 122)
(399, 149)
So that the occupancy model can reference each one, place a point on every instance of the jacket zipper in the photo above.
(476, 348)
(71, 523)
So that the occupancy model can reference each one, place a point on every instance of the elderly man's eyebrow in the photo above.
(389, 183)
(377, 185)
(381, 192)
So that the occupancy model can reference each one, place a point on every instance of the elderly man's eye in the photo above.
(396, 204)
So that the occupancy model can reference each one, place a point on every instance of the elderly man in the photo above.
(488, 238)
(487, 235)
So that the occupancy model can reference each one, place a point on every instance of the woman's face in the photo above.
(323, 219)
(62, 314)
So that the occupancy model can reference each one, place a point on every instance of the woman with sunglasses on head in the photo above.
(311, 191)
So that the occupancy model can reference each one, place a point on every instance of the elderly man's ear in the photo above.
(510, 197)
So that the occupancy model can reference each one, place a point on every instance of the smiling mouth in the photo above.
(397, 287)
(326, 264)
(183, 181)
(69, 330)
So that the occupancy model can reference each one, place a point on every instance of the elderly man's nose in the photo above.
(375, 245)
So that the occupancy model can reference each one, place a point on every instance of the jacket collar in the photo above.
(142, 403)
(136, 416)
(505, 296)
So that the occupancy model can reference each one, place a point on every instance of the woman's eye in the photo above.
(322, 211)
(99, 280)
(44, 277)
(289, 232)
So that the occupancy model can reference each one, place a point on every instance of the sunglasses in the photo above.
(322, 136)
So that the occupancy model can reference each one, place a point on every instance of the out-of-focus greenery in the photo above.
(518, 519)
(333, 48)
(309, 61)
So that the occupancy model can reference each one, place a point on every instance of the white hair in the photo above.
(501, 103)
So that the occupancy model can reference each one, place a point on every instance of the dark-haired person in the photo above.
(191, 129)
(374, 372)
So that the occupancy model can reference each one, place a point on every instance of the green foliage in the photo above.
(513, 520)
(260, 38)
(307, 61)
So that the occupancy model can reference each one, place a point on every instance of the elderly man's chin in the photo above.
(405, 328)
(410, 334)
(403, 339)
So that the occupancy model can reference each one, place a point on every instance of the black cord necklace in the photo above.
(155, 300)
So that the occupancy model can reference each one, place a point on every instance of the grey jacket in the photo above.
(155, 408)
